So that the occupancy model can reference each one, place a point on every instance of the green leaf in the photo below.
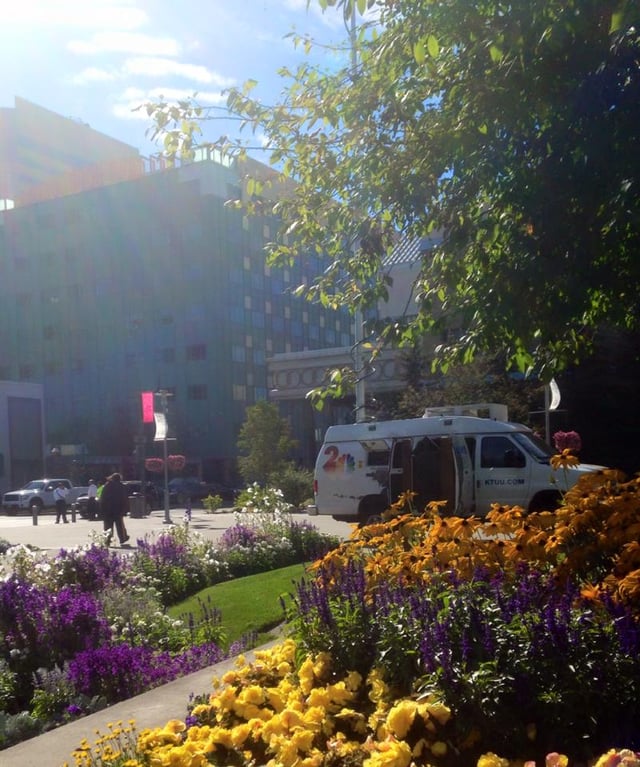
(433, 46)
(617, 21)
(419, 53)
(495, 53)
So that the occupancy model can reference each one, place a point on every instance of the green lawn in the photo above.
(246, 604)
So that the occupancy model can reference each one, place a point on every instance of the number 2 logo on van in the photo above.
(336, 462)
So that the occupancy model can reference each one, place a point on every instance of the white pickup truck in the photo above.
(38, 492)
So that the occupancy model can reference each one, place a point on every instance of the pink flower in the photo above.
(567, 440)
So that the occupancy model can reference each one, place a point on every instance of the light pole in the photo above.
(164, 396)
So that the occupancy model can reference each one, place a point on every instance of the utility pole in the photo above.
(358, 319)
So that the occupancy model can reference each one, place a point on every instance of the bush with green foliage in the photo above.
(295, 483)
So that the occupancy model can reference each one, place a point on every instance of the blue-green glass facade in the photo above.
(149, 284)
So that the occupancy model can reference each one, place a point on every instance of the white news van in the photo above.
(450, 454)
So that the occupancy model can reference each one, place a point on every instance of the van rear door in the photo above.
(400, 469)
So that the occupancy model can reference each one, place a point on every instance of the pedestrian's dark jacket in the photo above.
(114, 500)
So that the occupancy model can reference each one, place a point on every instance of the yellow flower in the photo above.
(432, 708)
(401, 717)
(339, 693)
(240, 733)
(322, 665)
(378, 688)
(439, 748)
(390, 753)
(353, 680)
(319, 697)
(306, 676)
(556, 760)
(315, 718)
(564, 460)
(492, 760)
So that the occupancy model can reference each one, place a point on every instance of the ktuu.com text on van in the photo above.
(469, 462)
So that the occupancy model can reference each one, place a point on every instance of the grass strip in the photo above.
(246, 604)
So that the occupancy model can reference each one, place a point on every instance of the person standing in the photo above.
(92, 500)
(60, 498)
(114, 503)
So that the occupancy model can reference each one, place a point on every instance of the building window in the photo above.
(238, 353)
(52, 368)
(197, 352)
(77, 365)
(239, 392)
(257, 319)
(48, 332)
(247, 302)
(167, 355)
(197, 392)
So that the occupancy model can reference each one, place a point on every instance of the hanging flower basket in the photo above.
(567, 440)
(154, 464)
(176, 462)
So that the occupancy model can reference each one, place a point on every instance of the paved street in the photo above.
(47, 535)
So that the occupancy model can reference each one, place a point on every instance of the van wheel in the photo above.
(549, 500)
(374, 519)
(371, 510)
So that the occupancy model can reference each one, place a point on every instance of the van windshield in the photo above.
(536, 447)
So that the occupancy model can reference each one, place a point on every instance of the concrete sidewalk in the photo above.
(151, 709)
(51, 537)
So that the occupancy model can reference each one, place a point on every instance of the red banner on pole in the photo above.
(147, 407)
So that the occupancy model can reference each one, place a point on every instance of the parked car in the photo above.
(153, 498)
(38, 493)
(183, 489)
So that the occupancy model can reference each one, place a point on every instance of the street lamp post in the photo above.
(164, 396)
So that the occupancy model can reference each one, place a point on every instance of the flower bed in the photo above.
(103, 614)
(441, 641)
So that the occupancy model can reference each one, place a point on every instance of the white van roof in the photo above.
(413, 427)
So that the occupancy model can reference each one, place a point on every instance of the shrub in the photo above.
(295, 483)
(212, 503)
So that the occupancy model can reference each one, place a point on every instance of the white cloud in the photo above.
(125, 42)
(155, 67)
(93, 75)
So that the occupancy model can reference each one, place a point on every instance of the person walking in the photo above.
(92, 500)
(60, 498)
(114, 504)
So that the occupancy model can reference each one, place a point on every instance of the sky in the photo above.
(96, 60)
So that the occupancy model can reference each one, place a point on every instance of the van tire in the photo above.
(371, 509)
(547, 500)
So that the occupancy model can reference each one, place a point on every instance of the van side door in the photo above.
(464, 453)
(503, 472)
